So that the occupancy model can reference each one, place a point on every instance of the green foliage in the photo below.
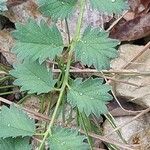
(95, 48)
(37, 41)
(14, 122)
(65, 139)
(57, 8)
(110, 6)
(33, 77)
(3, 6)
(90, 96)
(15, 144)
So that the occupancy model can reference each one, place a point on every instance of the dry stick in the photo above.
(127, 122)
(115, 22)
(107, 140)
(121, 81)
(95, 72)
(76, 70)
(90, 134)
(3, 73)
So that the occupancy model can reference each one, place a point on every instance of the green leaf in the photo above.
(15, 143)
(14, 122)
(3, 4)
(66, 139)
(95, 48)
(90, 96)
(37, 41)
(109, 6)
(33, 77)
(57, 8)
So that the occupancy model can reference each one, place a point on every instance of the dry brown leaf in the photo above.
(139, 6)
(6, 43)
(136, 28)
(141, 94)
(11, 3)
(22, 11)
(136, 132)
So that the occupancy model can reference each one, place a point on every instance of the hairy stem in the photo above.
(65, 81)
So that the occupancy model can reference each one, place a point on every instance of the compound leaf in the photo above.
(95, 48)
(15, 143)
(109, 6)
(37, 41)
(65, 139)
(90, 96)
(57, 8)
(14, 122)
(33, 77)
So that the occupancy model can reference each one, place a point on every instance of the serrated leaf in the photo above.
(37, 41)
(57, 8)
(95, 48)
(33, 77)
(14, 122)
(3, 4)
(66, 139)
(109, 6)
(90, 96)
(15, 144)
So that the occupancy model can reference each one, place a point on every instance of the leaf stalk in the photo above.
(65, 82)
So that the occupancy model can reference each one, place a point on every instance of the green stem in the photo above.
(7, 86)
(86, 131)
(65, 82)
(24, 99)
(111, 120)
(7, 93)
(68, 32)
(4, 79)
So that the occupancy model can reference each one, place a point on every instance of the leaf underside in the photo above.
(95, 48)
(33, 77)
(89, 96)
(15, 144)
(57, 8)
(37, 42)
(3, 4)
(65, 139)
(109, 6)
(14, 122)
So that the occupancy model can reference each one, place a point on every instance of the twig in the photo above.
(107, 140)
(3, 73)
(122, 71)
(116, 21)
(121, 81)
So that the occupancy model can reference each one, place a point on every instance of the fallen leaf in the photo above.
(139, 6)
(139, 94)
(135, 132)
(6, 43)
(134, 29)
